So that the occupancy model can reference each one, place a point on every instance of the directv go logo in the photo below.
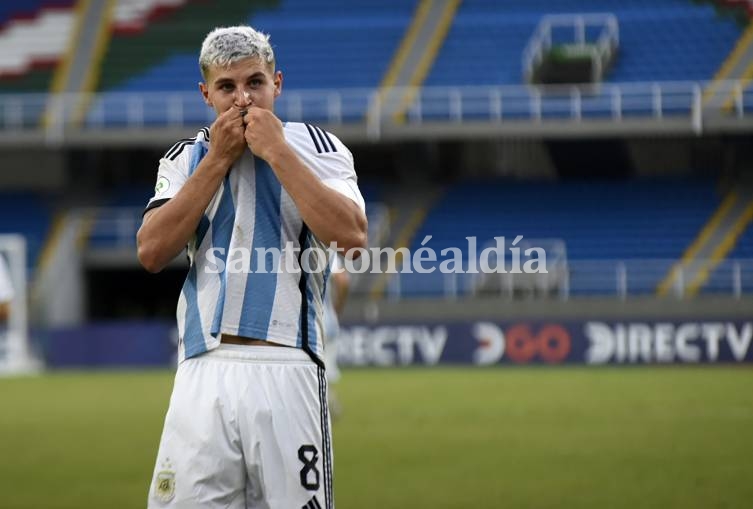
(520, 343)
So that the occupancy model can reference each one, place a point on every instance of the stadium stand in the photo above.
(733, 272)
(736, 267)
(486, 41)
(484, 47)
(598, 221)
(118, 218)
(33, 37)
(355, 53)
(609, 219)
(10, 11)
(29, 213)
(145, 43)
(371, 189)
(154, 49)
(119, 215)
(359, 42)
(133, 16)
(744, 246)
(745, 5)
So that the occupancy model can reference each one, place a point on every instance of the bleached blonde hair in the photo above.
(224, 46)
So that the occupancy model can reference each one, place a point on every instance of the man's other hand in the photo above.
(226, 137)
(264, 135)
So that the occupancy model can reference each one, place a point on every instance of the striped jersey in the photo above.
(235, 284)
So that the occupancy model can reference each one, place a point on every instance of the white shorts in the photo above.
(247, 427)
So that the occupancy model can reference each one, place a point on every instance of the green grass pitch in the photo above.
(420, 438)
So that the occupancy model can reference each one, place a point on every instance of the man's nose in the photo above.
(243, 98)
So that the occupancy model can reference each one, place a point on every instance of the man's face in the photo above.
(245, 83)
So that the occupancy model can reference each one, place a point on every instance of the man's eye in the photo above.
(255, 83)
(226, 87)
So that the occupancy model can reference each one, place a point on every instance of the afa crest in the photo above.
(164, 485)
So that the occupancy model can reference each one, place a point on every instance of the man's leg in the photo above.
(200, 461)
(287, 442)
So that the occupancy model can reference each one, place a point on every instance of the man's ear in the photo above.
(278, 83)
(205, 93)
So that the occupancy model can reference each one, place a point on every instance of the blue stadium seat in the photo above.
(744, 246)
(339, 44)
(121, 214)
(371, 190)
(30, 215)
(608, 220)
(346, 46)
(660, 40)
(116, 225)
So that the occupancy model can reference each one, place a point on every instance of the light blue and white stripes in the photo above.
(251, 213)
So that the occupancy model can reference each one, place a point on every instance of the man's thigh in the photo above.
(288, 445)
(200, 459)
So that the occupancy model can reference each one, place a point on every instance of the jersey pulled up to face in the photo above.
(247, 276)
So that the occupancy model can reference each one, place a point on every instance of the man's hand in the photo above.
(226, 141)
(263, 133)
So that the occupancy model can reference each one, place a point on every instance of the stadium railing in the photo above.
(600, 47)
(457, 106)
(619, 279)
(114, 228)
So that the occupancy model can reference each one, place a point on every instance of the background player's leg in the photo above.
(333, 376)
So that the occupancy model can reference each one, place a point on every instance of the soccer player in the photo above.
(335, 297)
(6, 297)
(6, 293)
(247, 425)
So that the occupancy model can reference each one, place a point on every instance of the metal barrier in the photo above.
(601, 49)
(115, 228)
(619, 279)
(24, 113)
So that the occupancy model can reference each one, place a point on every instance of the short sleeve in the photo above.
(171, 174)
(341, 174)
(328, 157)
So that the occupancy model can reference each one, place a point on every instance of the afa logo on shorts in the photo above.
(164, 484)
